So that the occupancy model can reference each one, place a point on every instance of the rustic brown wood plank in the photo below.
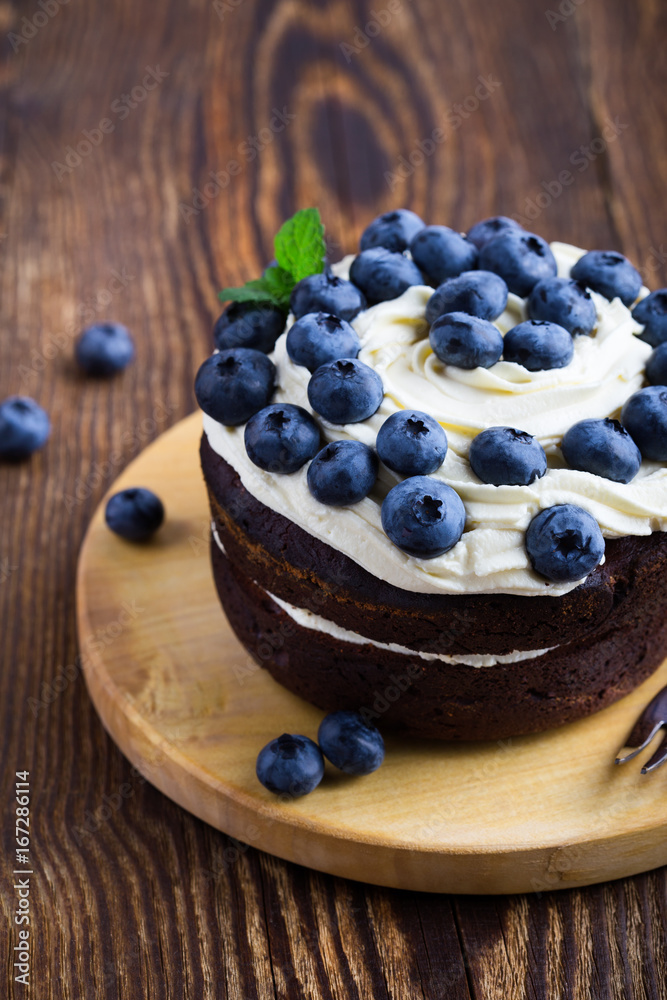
(149, 902)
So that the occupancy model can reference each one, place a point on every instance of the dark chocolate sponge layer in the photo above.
(629, 590)
(430, 699)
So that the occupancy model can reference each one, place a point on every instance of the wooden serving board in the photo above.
(191, 710)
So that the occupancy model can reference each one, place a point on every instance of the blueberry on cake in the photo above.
(437, 476)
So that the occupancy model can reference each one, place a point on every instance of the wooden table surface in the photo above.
(148, 152)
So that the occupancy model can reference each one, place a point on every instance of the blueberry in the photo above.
(329, 294)
(249, 324)
(504, 456)
(563, 301)
(351, 745)
(343, 473)
(24, 427)
(656, 366)
(645, 417)
(319, 337)
(234, 384)
(441, 253)
(104, 349)
(564, 543)
(423, 516)
(538, 345)
(412, 443)
(345, 391)
(383, 275)
(651, 312)
(393, 231)
(603, 448)
(478, 293)
(281, 438)
(486, 230)
(466, 341)
(522, 259)
(609, 273)
(291, 765)
(134, 514)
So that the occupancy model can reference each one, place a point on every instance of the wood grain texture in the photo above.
(190, 708)
(156, 904)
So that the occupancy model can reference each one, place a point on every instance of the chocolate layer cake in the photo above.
(275, 581)
(474, 643)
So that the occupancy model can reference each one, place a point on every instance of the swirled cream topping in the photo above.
(490, 556)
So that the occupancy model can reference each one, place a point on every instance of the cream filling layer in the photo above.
(310, 620)
(490, 557)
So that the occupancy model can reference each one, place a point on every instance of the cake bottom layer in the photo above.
(429, 698)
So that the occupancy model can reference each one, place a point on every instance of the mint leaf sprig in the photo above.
(299, 249)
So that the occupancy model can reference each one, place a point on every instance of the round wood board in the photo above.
(190, 708)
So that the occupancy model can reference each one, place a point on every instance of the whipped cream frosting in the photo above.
(490, 556)
(308, 619)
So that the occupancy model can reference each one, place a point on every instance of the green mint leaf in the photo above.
(252, 291)
(275, 286)
(300, 250)
(280, 284)
(299, 244)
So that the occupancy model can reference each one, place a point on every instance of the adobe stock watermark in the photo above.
(484, 775)
(120, 109)
(31, 26)
(364, 35)
(224, 7)
(654, 262)
(569, 859)
(102, 637)
(111, 804)
(6, 569)
(581, 158)
(565, 10)
(248, 150)
(86, 312)
(131, 441)
(456, 115)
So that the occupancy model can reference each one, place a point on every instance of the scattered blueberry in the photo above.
(104, 349)
(343, 473)
(651, 312)
(319, 337)
(504, 456)
(281, 438)
(345, 391)
(656, 366)
(329, 294)
(521, 259)
(478, 293)
(234, 384)
(538, 345)
(134, 514)
(351, 745)
(645, 417)
(603, 448)
(423, 516)
(291, 765)
(249, 324)
(394, 231)
(382, 275)
(466, 341)
(609, 273)
(412, 443)
(486, 230)
(564, 543)
(566, 302)
(441, 253)
(24, 427)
